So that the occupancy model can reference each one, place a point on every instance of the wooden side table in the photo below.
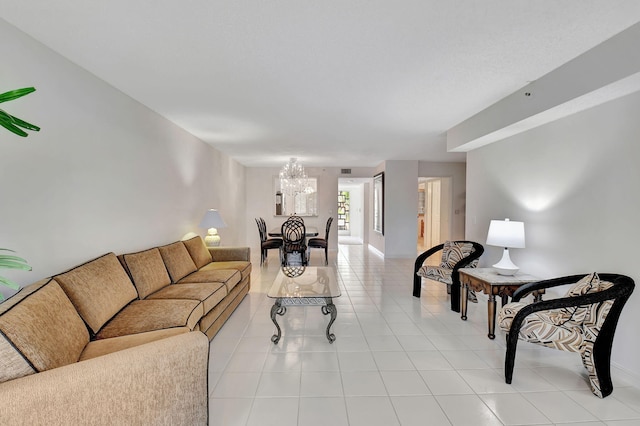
(489, 282)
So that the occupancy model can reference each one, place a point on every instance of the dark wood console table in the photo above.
(489, 282)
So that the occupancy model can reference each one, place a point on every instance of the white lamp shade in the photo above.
(212, 219)
(506, 233)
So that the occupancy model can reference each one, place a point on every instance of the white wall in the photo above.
(576, 185)
(400, 209)
(104, 174)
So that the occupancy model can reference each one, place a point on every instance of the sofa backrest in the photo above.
(39, 330)
(147, 271)
(98, 289)
(177, 260)
(198, 251)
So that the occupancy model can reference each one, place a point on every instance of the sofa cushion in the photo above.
(210, 294)
(198, 251)
(229, 277)
(98, 289)
(40, 330)
(147, 270)
(153, 314)
(239, 265)
(177, 260)
(106, 346)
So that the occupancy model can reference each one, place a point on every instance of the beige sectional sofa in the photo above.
(119, 339)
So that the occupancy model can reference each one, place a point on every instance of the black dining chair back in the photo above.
(294, 240)
(322, 243)
(266, 243)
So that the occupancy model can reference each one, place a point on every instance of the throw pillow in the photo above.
(575, 315)
(453, 252)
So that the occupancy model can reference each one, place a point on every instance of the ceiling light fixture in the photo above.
(293, 178)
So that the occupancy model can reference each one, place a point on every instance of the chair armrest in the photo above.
(225, 254)
(162, 382)
(525, 289)
(611, 293)
(466, 261)
(419, 261)
(423, 256)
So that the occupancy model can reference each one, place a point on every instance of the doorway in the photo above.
(434, 211)
(351, 210)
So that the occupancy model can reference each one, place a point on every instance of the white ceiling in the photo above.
(332, 82)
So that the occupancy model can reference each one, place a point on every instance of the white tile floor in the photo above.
(397, 360)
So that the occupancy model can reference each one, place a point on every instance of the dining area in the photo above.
(293, 239)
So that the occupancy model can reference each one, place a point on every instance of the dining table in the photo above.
(310, 231)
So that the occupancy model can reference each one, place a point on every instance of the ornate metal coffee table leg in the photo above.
(327, 309)
(277, 308)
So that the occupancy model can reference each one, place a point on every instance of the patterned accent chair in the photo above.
(265, 242)
(582, 321)
(455, 255)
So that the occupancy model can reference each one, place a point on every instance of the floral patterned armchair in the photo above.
(582, 321)
(455, 255)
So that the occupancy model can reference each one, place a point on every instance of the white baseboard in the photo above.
(376, 251)
(624, 375)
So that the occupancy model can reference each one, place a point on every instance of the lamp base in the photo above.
(505, 266)
(212, 239)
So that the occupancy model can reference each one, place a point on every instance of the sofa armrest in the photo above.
(162, 382)
(225, 254)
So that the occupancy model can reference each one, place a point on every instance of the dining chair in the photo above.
(322, 243)
(294, 240)
(265, 242)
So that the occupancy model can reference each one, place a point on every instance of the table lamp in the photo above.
(212, 221)
(507, 234)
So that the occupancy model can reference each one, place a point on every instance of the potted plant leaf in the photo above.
(15, 125)
(12, 123)
(10, 261)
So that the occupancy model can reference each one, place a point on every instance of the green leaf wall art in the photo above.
(11, 123)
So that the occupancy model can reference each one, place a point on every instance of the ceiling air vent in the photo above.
(345, 171)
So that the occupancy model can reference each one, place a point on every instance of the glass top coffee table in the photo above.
(304, 286)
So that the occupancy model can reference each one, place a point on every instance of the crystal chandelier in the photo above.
(293, 178)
